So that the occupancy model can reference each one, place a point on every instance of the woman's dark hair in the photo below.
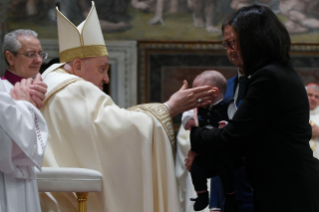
(262, 37)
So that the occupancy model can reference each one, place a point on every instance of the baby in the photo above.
(208, 164)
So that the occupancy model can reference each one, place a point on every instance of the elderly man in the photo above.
(23, 53)
(131, 148)
(313, 97)
(23, 137)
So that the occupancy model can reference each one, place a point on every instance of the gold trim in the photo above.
(82, 198)
(313, 146)
(83, 52)
(61, 71)
(61, 85)
(312, 142)
(161, 113)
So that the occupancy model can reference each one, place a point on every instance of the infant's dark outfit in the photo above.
(208, 164)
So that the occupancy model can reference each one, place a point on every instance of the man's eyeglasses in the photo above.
(34, 56)
(228, 43)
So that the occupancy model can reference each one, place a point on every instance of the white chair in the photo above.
(79, 180)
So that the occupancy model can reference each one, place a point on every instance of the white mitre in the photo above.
(83, 41)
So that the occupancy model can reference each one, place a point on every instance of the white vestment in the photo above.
(23, 137)
(314, 142)
(131, 148)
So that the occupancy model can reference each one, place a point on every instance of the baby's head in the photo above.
(214, 79)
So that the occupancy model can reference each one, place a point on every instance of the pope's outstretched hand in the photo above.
(186, 99)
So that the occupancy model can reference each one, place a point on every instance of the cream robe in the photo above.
(314, 142)
(23, 136)
(131, 148)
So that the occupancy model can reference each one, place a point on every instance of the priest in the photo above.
(132, 147)
(23, 137)
(23, 54)
(313, 97)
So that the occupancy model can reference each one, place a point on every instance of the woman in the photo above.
(271, 127)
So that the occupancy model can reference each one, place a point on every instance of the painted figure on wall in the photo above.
(203, 14)
(162, 19)
(113, 15)
(21, 9)
(159, 7)
(303, 15)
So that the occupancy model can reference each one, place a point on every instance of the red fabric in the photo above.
(11, 77)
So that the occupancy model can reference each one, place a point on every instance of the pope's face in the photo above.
(313, 97)
(233, 53)
(21, 64)
(96, 70)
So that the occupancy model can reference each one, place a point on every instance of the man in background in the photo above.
(313, 97)
(23, 54)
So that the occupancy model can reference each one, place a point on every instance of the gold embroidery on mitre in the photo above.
(83, 52)
(161, 113)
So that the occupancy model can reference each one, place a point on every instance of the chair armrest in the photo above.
(53, 179)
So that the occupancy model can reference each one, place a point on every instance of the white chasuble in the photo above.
(314, 142)
(23, 137)
(131, 148)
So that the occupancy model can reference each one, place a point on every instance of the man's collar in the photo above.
(314, 111)
(240, 74)
(11, 77)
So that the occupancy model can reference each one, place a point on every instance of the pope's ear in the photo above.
(78, 67)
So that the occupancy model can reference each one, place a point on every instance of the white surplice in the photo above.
(131, 148)
(23, 137)
(314, 142)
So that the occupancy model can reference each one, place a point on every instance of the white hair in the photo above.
(312, 85)
(11, 43)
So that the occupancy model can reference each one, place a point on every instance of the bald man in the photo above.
(207, 165)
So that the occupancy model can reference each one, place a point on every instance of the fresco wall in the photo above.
(198, 20)
(176, 39)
